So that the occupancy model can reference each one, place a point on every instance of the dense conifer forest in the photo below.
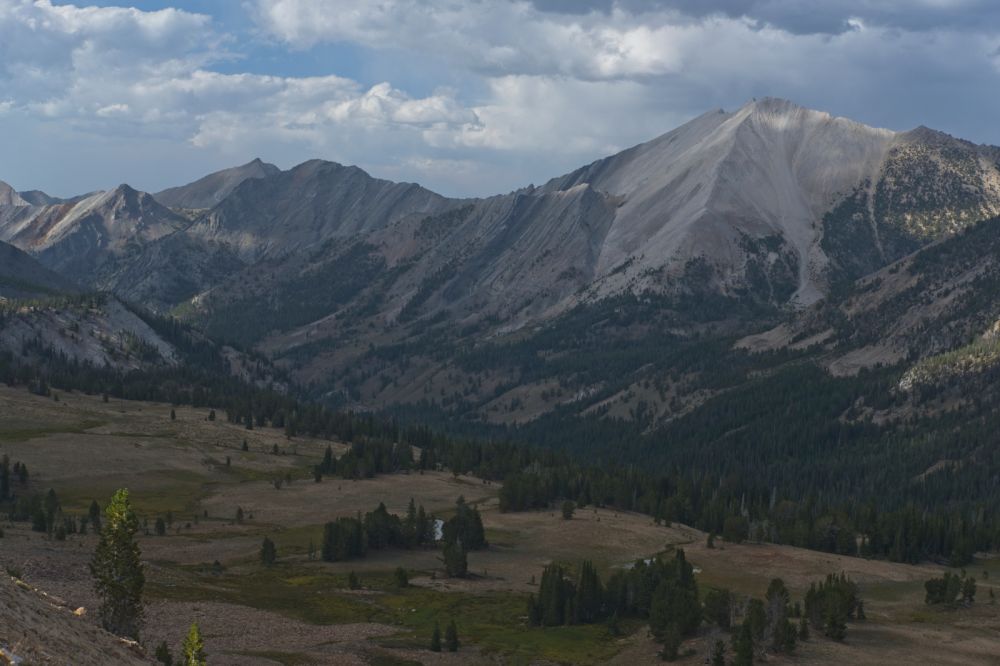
(791, 456)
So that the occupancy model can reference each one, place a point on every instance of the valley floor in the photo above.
(301, 610)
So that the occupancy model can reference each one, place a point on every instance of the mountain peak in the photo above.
(125, 190)
(9, 197)
(773, 104)
(208, 191)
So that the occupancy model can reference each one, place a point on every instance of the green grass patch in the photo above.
(493, 621)
(317, 600)
(24, 434)
(503, 538)
(157, 492)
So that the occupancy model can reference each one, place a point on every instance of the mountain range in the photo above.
(379, 294)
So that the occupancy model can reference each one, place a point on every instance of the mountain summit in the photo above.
(213, 188)
(718, 226)
(743, 192)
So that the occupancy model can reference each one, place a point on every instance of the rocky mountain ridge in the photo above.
(208, 191)
(760, 210)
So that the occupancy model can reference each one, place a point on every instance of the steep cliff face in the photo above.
(9, 197)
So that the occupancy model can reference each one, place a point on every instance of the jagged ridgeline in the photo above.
(665, 305)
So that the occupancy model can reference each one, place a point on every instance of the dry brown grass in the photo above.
(85, 448)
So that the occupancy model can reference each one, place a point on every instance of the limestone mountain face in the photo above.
(9, 197)
(208, 191)
(309, 204)
(78, 238)
(770, 206)
(772, 202)
(739, 192)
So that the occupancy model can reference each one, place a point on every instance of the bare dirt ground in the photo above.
(37, 628)
(242, 636)
(308, 503)
(522, 544)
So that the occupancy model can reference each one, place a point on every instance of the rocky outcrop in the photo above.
(36, 628)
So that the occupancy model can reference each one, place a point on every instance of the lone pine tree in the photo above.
(268, 553)
(117, 570)
(194, 648)
(436, 638)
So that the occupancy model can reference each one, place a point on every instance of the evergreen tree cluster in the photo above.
(11, 476)
(766, 462)
(831, 603)
(465, 526)
(351, 538)
(662, 591)
(951, 589)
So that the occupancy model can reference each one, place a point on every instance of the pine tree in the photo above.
(451, 637)
(117, 570)
(436, 638)
(779, 628)
(969, 590)
(719, 653)
(4, 478)
(95, 516)
(835, 622)
(671, 643)
(589, 594)
(163, 655)
(456, 560)
(401, 577)
(568, 508)
(268, 553)
(534, 612)
(194, 648)
(743, 646)
(173, 415)
(410, 535)
(717, 607)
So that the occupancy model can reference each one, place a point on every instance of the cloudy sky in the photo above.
(465, 96)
